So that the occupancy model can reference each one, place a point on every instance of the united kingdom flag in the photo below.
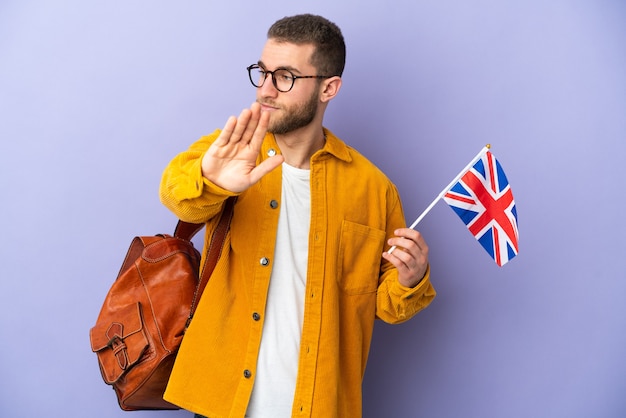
(484, 201)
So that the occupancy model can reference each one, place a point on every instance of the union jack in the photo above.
(484, 201)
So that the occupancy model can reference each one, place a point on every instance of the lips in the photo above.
(267, 106)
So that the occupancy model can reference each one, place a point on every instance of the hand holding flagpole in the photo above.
(444, 191)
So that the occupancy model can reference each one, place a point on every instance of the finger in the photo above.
(405, 256)
(411, 235)
(411, 244)
(260, 130)
(240, 128)
(409, 259)
(403, 244)
(399, 259)
(227, 131)
(253, 121)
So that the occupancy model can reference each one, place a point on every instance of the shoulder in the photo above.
(352, 157)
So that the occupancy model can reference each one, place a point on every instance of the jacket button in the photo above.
(273, 204)
(247, 374)
(271, 152)
(256, 316)
(264, 261)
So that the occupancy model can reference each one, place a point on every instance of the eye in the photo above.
(284, 76)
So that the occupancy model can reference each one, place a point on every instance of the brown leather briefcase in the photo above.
(146, 311)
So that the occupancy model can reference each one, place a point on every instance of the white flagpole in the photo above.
(444, 191)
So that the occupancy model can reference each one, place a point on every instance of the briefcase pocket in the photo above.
(119, 344)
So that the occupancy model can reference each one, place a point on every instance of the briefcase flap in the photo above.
(119, 342)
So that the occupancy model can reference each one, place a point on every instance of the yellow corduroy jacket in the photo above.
(354, 208)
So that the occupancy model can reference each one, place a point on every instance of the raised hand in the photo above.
(230, 162)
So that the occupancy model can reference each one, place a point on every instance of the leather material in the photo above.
(147, 309)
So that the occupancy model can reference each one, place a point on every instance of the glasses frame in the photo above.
(294, 77)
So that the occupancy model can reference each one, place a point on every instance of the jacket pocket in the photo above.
(360, 252)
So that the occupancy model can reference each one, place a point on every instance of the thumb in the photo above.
(265, 167)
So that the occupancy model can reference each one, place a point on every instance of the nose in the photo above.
(267, 89)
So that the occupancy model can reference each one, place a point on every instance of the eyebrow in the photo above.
(283, 67)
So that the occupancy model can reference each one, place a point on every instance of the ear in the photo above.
(329, 89)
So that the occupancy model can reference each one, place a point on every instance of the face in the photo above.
(298, 107)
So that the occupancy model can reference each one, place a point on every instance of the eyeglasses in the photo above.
(282, 79)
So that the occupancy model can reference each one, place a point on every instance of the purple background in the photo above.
(96, 97)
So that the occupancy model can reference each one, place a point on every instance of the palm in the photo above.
(230, 162)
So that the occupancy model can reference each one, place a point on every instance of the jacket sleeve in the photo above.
(183, 189)
(396, 303)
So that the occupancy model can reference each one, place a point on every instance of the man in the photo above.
(285, 323)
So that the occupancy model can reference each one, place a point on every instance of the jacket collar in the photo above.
(333, 146)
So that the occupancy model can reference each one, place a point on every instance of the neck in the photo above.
(299, 146)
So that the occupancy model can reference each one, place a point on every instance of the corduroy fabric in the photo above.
(354, 209)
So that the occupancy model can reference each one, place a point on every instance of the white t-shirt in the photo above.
(277, 367)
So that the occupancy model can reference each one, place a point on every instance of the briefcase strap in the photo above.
(187, 230)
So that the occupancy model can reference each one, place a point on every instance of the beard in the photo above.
(295, 117)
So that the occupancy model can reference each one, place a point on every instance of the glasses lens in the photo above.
(257, 75)
(283, 80)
